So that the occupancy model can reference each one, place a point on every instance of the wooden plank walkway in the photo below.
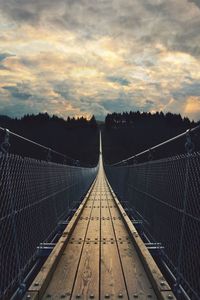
(100, 255)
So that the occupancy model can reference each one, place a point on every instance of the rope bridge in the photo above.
(161, 196)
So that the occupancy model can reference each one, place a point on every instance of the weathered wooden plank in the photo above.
(112, 279)
(137, 282)
(87, 280)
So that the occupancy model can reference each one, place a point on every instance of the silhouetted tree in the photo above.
(77, 138)
(131, 132)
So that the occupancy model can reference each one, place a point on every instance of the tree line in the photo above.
(74, 137)
(130, 119)
(124, 134)
(129, 133)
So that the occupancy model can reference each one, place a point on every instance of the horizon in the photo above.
(84, 58)
(88, 118)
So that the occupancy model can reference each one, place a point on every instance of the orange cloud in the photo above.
(192, 106)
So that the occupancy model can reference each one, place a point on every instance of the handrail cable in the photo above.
(157, 146)
(37, 144)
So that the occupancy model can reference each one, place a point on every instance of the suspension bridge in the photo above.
(130, 230)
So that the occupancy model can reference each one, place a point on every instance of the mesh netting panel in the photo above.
(34, 197)
(165, 194)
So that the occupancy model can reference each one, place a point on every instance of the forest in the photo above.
(124, 134)
(76, 138)
(129, 133)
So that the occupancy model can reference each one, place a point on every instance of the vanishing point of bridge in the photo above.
(101, 250)
(97, 257)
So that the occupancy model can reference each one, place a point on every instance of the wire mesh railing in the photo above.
(35, 195)
(17, 144)
(165, 195)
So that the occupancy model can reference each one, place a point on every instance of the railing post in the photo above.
(5, 145)
(49, 155)
(150, 155)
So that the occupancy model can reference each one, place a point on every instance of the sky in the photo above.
(85, 57)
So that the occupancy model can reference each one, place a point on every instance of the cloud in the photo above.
(27, 11)
(17, 92)
(86, 57)
(3, 56)
(192, 107)
(188, 89)
(119, 80)
(197, 2)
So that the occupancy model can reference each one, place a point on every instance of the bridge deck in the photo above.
(97, 256)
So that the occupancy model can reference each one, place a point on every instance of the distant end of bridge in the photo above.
(103, 232)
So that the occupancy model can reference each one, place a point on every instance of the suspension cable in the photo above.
(157, 146)
(49, 150)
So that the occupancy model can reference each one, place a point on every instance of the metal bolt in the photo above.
(91, 296)
(120, 295)
(36, 284)
(162, 283)
(170, 296)
(62, 296)
(78, 296)
(135, 295)
(107, 296)
(28, 297)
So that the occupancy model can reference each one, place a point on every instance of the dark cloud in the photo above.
(117, 105)
(126, 104)
(167, 22)
(186, 90)
(150, 102)
(26, 10)
(17, 92)
(64, 89)
(122, 81)
(18, 109)
(197, 2)
(3, 56)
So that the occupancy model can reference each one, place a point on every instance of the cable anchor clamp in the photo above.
(49, 155)
(5, 145)
(189, 145)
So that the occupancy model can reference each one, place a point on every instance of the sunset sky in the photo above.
(84, 57)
